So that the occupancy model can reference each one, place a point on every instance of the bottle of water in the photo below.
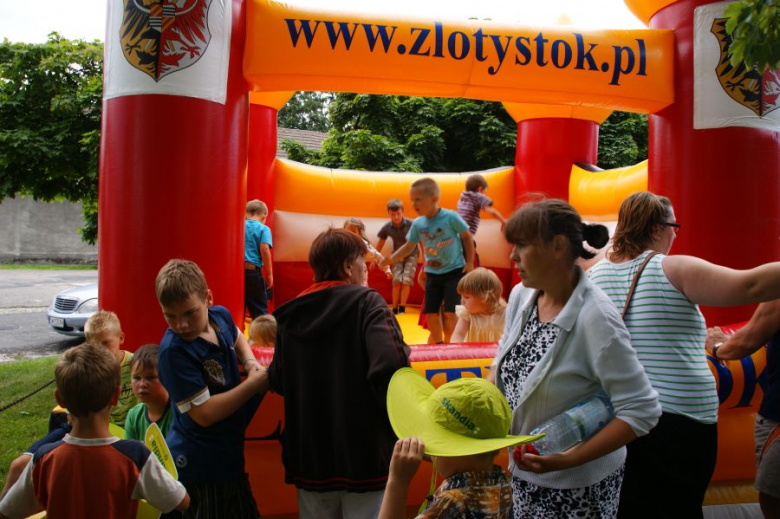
(574, 425)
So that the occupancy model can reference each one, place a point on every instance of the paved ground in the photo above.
(24, 297)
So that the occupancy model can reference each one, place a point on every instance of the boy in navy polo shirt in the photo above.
(198, 366)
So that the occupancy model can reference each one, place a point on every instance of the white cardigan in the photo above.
(592, 352)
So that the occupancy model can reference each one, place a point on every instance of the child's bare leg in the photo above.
(15, 471)
(396, 294)
(405, 289)
(450, 320)
(434, 326)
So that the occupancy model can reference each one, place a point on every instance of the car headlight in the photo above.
(88, 306)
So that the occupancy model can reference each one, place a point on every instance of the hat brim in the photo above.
(407, 395)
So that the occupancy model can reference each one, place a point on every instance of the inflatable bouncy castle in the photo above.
(192, 89)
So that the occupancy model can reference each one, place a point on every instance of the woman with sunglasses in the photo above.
(668, 471)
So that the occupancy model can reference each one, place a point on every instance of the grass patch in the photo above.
(28, 421)
(34, 266)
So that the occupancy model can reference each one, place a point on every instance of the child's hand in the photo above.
(258, 378)
(407, 455)
(388, 273)
(385, 263)
(468, 268)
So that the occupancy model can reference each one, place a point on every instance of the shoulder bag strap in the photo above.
(635, 281)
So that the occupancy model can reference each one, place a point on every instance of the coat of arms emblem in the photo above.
(159, 37)
(757, 91)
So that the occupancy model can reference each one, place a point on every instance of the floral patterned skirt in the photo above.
(597, 501)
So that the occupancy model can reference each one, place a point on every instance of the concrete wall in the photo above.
(39, 231)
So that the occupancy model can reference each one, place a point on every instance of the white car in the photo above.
(71, 308)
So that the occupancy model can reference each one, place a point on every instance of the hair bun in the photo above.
(595, 234)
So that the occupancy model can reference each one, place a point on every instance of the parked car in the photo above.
(71, 308)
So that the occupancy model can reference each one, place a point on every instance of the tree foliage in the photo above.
(754, 26)
(622, 140)
(415, 134)
(307, 111)
(50, 105)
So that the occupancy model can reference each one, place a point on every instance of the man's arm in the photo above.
(265, 254)
(748, 339)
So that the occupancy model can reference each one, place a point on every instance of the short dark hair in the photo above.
(395, 204)
(330, 250)
(540, 221)
(254, 207)
(146, 357)
(476, 181)
(178, 280)
(87, 378)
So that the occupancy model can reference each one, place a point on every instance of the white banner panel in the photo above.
(171, 47)
(724, 95)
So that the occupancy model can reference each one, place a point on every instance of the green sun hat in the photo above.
(463, 417)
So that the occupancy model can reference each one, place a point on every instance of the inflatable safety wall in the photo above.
(309, 200)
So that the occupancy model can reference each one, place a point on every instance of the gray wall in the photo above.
(39, 231)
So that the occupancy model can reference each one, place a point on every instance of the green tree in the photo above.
(754, 26)
(400, 133)
(622, 140)
(307, 111)
(50, 105)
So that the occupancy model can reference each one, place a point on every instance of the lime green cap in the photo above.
(463, 417)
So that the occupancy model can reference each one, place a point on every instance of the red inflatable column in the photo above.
(263, 110)
(724, 182)
(550, 138)
(172, 185)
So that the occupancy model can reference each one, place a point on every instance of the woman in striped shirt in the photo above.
(667, 471)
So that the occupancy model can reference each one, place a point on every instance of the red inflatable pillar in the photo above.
(550, 138)
(172, 185)
(724, 182)
(263, 110)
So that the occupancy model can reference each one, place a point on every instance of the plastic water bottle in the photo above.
(574, 425)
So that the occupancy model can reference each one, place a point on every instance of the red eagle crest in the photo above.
(159, 37)
(748, 87)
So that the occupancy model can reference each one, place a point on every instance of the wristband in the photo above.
(715, 350)
(244, 361)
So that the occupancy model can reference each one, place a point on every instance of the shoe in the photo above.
(395, 311)
(401, 309)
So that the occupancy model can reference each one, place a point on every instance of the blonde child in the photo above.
(481, 314)
(356, 226)
(103, 329)
(262, 331)
(462, 426)
(449, 254)
(155, 406)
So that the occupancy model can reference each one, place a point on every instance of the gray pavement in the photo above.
(24, 297)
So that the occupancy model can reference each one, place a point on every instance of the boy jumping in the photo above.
(446, 240)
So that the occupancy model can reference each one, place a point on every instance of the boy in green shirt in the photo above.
(155, 406)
